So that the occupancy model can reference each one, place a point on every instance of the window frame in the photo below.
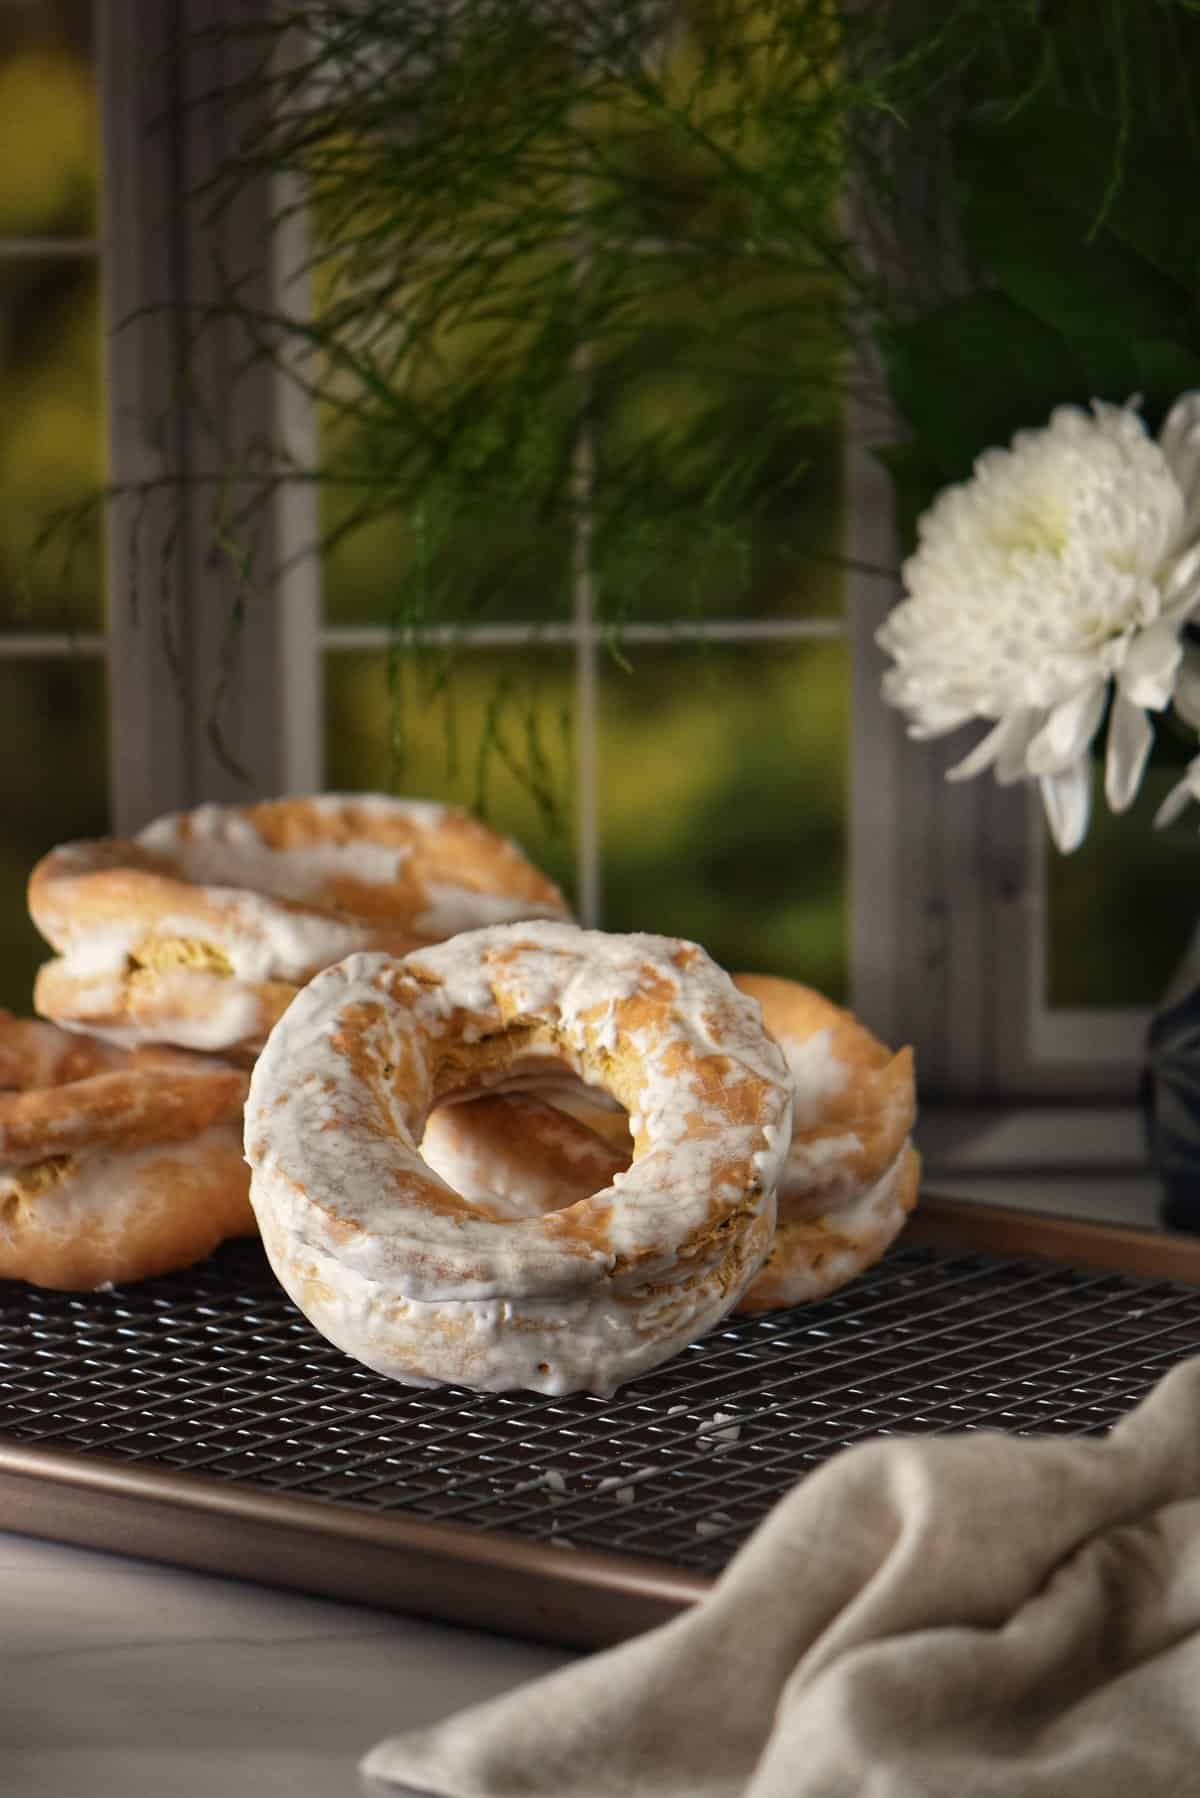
(168, 648)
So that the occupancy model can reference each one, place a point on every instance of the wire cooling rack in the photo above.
(213, 1377)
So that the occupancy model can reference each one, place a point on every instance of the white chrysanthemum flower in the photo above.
(1061, 573)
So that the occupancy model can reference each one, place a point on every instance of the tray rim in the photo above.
(975, 1225)
(481, 1579)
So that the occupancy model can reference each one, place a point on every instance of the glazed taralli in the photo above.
(113, 1166)
(200, 930)
(429, 1286)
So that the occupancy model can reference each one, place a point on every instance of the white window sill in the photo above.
(1071, 1161)
(1129, 1199)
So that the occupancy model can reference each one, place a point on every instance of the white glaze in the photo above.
(590, 1341)
(451, 909)
(217, 846)
(260, 939)
(817, 1074)
(820, 1158)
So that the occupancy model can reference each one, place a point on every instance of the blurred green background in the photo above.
(53, 709)
(722, 768)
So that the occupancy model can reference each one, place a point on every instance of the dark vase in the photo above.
(1171, 1106)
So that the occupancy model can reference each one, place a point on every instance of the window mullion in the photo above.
(255, 717)
(899, 933)
(298, 592)
(214, 656)
(148, 738)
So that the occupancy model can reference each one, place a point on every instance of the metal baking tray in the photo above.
(199, 1420)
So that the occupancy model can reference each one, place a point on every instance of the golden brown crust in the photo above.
(113, 1219)
(114, 1166)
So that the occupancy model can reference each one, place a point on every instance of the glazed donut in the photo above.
(850, 1177)
(429, 1286)
(200, 930)
(114, 1166)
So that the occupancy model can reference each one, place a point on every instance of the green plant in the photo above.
(585, 281)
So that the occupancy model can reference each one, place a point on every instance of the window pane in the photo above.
(51, 452)
(387, 567)
(788, 564)
(53, 788)
(501, 561)
(723, 803)
(733, 407)
(49, 166)
(495, 738)
(507, 289)
(1123, 907)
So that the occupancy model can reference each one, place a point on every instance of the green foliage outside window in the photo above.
(53, 712)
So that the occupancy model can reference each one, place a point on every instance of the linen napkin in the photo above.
(956, 1617)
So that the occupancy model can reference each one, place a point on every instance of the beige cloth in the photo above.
(960, 1617)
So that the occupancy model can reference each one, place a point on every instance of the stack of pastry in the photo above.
(484, 1145)
(121, 1116)
(615, 1153)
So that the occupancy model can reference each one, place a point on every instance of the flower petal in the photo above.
(1009, 737)
(1182, 588)
(1180, 796)
(1179, 441)
(1186, 698)
(1067, 798)
(1181, 426)
(1129, 742)
(937, 722)
(1011, 763)
(1151, 661)
(1067, 731)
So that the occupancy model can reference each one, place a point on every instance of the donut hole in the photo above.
(522, 1156)
(601, 1113)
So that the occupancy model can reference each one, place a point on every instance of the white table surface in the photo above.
(121, 1679)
